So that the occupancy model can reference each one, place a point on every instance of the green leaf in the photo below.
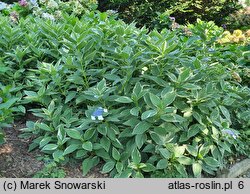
(171, 128)
(30, 94)
(58, 155)
(157, 80)
(172, 77)
(50, 147)
(51, 106)
(119, 30)
(189, 86)
(157, 139)
(102, 129)
(185, 160)
(105, 143)
(80, 153)
(211, 162)
(141, 127)
(197, 168)
(87, 146)
(148, 168)
(103, 154)
(148, 114)
(156, 101)
(175, 118)
(89, 133)
(73, 133)
(86, 166)
(22, 109)
(225, 146)
(70, 96)
(108, 167)
(119, 167)
(116, 154)
(193, 130)
(179, 151)
(101, 86)
(103, 16)
(181, 169)
(198, 117)
(169, 98)
(124, 99)
(32, 146)
(192, 150)
(44, 141)
(126, 173)
(136, 156)
(139, 175)
(8, 103)
(89, 163)
(183, 137)
(41, 91)
(61, 134)
(140, 140)
(135, 111)
(165, 153)
(162, 164)
(225, 112)
(132, 122)
(137, 89)
(70, 149)
(204, 149)
(184, 76)
(117, 144)
(44, 126)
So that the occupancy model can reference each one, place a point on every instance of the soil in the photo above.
(17, 162)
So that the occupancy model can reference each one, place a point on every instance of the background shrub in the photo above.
(145, 12)
(239, 19)
(9, 1)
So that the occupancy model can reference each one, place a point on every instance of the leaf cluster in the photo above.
(169, 97)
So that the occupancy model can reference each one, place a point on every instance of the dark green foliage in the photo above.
(239, 19)
(9, 1)
(145, 12)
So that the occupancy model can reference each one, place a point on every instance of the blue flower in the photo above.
(230, 132)
(98, 113)
(1, 100)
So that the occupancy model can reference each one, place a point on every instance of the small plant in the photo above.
(50, 170)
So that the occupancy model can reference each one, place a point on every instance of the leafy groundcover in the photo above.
(142, 104)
